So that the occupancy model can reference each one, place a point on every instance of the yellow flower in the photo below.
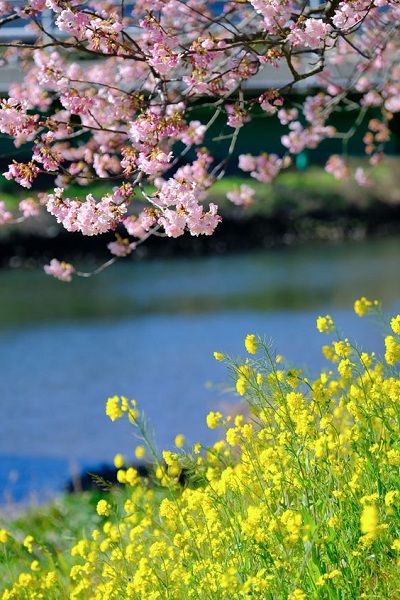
(369, 520)
(180, 440)
(118, 461)
(396, 545)
(213, 420)
(363, 306)
(233, 436)
(297, 594)
(50, 579)
(344, 368)
(24, 580)
(325, 324)
(241, 386)
(113, 408)
(392, 354)
(121, 476)
(218, 356)
(250, 343)
(393, 457)
(140, 452)
(131, 476)
(395, 324)
(3, 536)
(28, 543)
(35, 565)
(342, 348)
(103, 508)
(390, 497)
(197, 447)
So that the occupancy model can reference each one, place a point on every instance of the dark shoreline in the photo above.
(236, 233)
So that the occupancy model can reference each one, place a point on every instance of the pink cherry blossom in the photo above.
(310, 34)
(23, 173)
(72, 22)
(121, 247)
(362, 178)
(76, 104)
(29, 208)
(14, 119)
(139, 225)
(174, 222)
(337, 166)
(60, 270)
(263, 168)
(163, 59)
(111, 97)
(90, 217)
(155, 162)
(237, 117)
(5, 215)
(242, 197)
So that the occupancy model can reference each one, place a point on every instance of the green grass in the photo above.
(56, 525)
(292, 190)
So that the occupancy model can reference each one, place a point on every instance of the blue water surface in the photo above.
(148, 330)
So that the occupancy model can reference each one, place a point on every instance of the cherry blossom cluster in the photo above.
(108, 92)
(88, 217)
(27, 208)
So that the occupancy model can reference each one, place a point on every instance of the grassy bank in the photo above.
(299, 207)
(304, 190)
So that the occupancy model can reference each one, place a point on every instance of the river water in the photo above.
(147, 330)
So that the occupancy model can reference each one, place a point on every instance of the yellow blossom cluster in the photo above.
(363, 306)
(299, 498)
(118, 406)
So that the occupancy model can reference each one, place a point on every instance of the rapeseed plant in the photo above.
(299, 499)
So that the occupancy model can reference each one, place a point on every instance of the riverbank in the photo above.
(300, 207)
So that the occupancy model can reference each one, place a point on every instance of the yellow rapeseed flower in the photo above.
(250, 343)
(392, 347)
(345, 368)
(28, 543)
(297, 594)
(395, 324)
(50, 579)
(363, 306)
(180, 440)
(390, 497)
(35, 566)
(3, 536)
(325, 324)
(113, 408)
(103, 508)
(118, 461)
(197, 447)
(396, 545)
(218, 356)
(241, 386)
(213, 419)
(140, 452)
(369, 519)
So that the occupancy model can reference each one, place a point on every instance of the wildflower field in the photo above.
(299, 499)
